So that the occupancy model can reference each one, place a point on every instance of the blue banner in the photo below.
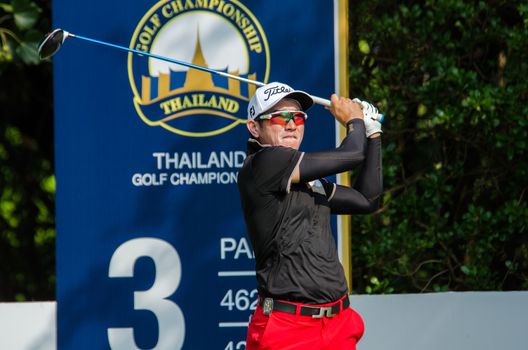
(152, 251)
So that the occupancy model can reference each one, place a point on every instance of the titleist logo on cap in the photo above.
(267, 96)
(274, 90)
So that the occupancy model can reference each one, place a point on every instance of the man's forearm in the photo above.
(348, 155)
(369, 181)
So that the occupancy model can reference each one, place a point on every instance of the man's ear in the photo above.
(253, 128)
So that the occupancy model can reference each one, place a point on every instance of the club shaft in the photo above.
(318, 100)
(167, 59)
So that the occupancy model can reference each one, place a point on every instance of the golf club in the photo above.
(54, 40)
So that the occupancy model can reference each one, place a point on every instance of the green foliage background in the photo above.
(451, 77)
(27, 184)
(449, 74)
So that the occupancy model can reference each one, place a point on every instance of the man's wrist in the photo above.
(350, 124)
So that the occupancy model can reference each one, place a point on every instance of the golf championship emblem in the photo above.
(220, 35)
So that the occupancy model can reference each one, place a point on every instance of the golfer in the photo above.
(287, 203)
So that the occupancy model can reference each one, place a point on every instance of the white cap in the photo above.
(270, 94)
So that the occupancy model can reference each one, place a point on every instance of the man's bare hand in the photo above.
(344, 109)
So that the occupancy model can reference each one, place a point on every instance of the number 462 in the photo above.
(241, 300)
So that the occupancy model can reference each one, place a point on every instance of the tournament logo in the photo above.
(218, 34)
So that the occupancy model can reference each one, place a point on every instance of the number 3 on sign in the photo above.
(171, 323)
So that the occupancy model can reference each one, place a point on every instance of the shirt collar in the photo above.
(254, 146)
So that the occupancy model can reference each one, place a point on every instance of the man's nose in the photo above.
(291, 125)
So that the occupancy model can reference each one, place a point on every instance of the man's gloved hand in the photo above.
(372, 118)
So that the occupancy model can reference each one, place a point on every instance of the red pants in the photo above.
(284, 331)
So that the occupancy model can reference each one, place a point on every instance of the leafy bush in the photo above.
(451, 77)
(27, 186)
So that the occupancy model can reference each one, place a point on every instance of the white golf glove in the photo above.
(371, 117)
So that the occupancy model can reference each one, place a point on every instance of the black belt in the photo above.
(269, 305)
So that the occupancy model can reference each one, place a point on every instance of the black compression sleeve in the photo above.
(365, 196)
(370, 179)
(349, 154)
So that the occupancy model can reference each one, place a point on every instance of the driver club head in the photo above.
(52, 43)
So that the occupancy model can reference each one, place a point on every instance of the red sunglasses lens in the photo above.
(283, 118)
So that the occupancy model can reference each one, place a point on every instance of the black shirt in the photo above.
(289, 228)
(289, 224)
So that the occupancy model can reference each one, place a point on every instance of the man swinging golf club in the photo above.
(287, 203)
(303, 296)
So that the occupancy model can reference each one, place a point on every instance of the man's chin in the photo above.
(291, 142)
